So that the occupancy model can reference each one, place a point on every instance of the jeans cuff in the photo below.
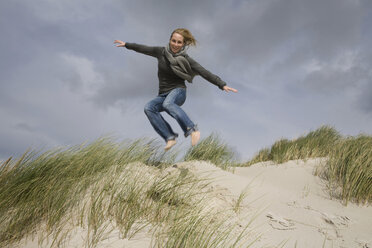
(172, 137)
(191, 129)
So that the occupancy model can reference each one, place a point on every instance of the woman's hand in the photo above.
(227, 89)
(120, 43)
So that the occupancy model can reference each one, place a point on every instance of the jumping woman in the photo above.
(174, 67)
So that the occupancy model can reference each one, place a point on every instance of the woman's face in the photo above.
(176, 42)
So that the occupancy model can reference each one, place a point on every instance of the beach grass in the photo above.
(349, 169)
(214, 150)
(105, 186)
(318, 143)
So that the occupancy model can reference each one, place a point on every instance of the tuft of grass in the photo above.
(238, 202)
(349, 169)
(195, 228)
(318, 143)
(214, 150)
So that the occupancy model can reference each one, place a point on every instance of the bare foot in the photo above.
(195, 136)
(169, 145)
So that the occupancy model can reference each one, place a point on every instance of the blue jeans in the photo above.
(169, 102)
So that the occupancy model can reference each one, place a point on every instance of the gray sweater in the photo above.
(168, 80)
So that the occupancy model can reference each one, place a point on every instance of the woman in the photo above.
(174, 67)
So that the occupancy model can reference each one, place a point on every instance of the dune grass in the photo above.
(349, 165)
(318, 143)
(103, 186)
(214, 150)
(349, 169)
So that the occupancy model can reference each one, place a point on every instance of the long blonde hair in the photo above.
(188, 38)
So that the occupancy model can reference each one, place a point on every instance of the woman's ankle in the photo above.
(170, 144)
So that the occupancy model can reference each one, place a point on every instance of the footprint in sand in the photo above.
(280, 223)
(336, 220)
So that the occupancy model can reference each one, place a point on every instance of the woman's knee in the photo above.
(168, 106)
(149, 108)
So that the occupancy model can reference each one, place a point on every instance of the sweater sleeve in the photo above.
(207, 75)
(147, 50)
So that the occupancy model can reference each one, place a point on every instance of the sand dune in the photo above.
(292, 208)
(296, 207)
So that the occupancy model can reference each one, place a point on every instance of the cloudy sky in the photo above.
(298, 64)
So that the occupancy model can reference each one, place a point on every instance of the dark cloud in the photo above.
(333, 78)
(364, 95)
(349, 76)
(24, 127)
(136, 79)
(365, 98)
(258, 30)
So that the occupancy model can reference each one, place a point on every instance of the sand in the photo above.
(292, 207)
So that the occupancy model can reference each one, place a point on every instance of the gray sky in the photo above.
(297, 64)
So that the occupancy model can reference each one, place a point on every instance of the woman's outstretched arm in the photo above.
(148, 50)
(207, 75)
